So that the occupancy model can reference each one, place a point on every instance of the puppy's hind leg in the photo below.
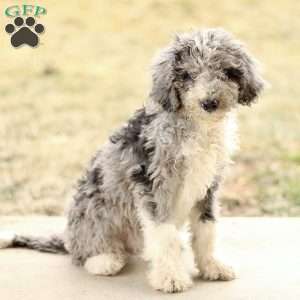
(96, 242)
(109, 260)
(106, 264)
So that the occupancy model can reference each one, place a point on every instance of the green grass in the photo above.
(293, 158)
(59, 102)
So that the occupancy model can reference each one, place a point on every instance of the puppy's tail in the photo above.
(51, 244)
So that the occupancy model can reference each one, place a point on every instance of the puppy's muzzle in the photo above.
(210, 105)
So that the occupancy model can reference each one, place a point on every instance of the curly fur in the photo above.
(162, 168)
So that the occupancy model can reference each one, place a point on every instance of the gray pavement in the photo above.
(266, 251)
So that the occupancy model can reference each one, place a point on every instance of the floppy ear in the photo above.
(250, 81)
(163, 90)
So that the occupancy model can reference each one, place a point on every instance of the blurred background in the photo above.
(61, 100)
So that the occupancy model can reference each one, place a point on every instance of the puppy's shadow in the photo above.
(134, 265)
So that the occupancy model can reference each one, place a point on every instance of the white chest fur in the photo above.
(205, 154)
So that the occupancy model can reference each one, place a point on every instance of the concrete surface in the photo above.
(266, 250)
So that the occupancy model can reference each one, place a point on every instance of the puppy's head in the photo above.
(205, 73)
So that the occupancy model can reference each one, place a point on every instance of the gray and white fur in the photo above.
(156, 178)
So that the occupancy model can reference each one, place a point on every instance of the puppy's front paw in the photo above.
(169, 282)
(212, 269)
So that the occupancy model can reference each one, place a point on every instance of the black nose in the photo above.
(210, 105)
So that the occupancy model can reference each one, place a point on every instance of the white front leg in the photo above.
(204, 248)
(170, 256)
(203, 224)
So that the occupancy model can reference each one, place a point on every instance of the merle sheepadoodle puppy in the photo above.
(157, 177)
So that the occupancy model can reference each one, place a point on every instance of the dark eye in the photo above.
(233, 74)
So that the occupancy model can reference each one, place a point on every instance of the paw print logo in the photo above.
(24, 33)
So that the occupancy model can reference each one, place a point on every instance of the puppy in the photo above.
(157, 177)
